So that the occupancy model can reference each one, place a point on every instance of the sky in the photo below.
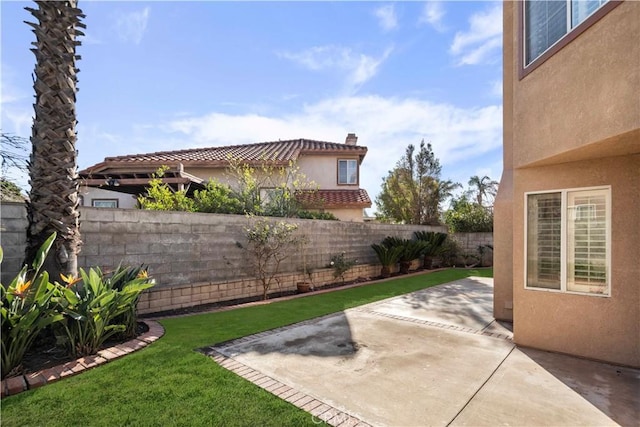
(169, 75)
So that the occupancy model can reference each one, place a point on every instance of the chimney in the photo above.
(352, 139)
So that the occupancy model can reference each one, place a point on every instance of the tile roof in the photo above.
(356, 198)
(279, 152)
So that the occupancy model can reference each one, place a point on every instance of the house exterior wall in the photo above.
(125, 201)
(573, 122)
(323, 170)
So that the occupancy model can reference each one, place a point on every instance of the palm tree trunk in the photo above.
(53, 199)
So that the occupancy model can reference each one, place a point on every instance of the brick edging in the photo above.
(20, 383)
(319, 410)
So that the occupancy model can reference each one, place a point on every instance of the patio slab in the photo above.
(433, 357)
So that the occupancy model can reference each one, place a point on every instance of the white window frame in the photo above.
(355, 161)
(606, 190)
(116, 201)
(570, 27)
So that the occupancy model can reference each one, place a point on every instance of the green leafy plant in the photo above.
(317, 215)
(161, 197)
(27, 308)
(268, 245)
(410, 250)
(433, 246)
(217, 198)
(118, 280)
(341, 265)
(388, 257)
(91, 306)
(450, 252)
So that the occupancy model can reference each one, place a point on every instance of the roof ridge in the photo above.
(300, 141)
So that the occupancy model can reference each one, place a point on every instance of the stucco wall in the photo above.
(585, 93)
(573, 122)
(125, 201)
(604, 328)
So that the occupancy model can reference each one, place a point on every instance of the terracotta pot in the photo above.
(303, 287)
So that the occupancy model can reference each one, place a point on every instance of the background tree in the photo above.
(14, 158)
(53, 204)
(412, 192)
(466, 216)
(483, 189)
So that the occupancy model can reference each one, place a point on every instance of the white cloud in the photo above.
(481, 43)
(385, 125)
(387, 18)
(359, 67)
(132, 26)
(496, 89)
(432, 14)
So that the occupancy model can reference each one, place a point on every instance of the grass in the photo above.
(168, 383)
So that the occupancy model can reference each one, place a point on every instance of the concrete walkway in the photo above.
(435, 357)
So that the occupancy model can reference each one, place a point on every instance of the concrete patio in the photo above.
(435, 357)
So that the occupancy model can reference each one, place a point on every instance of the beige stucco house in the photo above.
(332, 169)
(567, 215)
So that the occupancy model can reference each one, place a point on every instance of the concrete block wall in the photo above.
(13, 239)
(184, 296)
(197, 256)
(469, 243)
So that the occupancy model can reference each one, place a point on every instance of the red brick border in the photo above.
(15, 385)
(319, 410)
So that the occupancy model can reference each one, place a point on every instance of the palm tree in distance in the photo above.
(483, 188)
(53, 198)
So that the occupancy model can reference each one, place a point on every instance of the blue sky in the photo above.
(172, 75)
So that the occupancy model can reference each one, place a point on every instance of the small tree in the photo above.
(268, 245)
(270, 188)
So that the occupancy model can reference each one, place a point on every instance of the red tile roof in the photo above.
(356, 198)
(279, 152)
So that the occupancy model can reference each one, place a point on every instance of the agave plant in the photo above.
(433, 247)
(27, 308)
(388, 257)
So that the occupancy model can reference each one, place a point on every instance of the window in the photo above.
(347, 172)
(548, 21)
(104, 203)
(568, 241)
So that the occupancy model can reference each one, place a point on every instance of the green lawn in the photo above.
(168, 383)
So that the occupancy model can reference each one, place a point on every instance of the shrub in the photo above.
(217, 198)
(92, 304)
(27, 308)
(161, 197)
(268, 245)
(341, 265)
(118, 280)
(317, 215)
(468, 217)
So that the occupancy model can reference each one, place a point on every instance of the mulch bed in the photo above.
(45, 354)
